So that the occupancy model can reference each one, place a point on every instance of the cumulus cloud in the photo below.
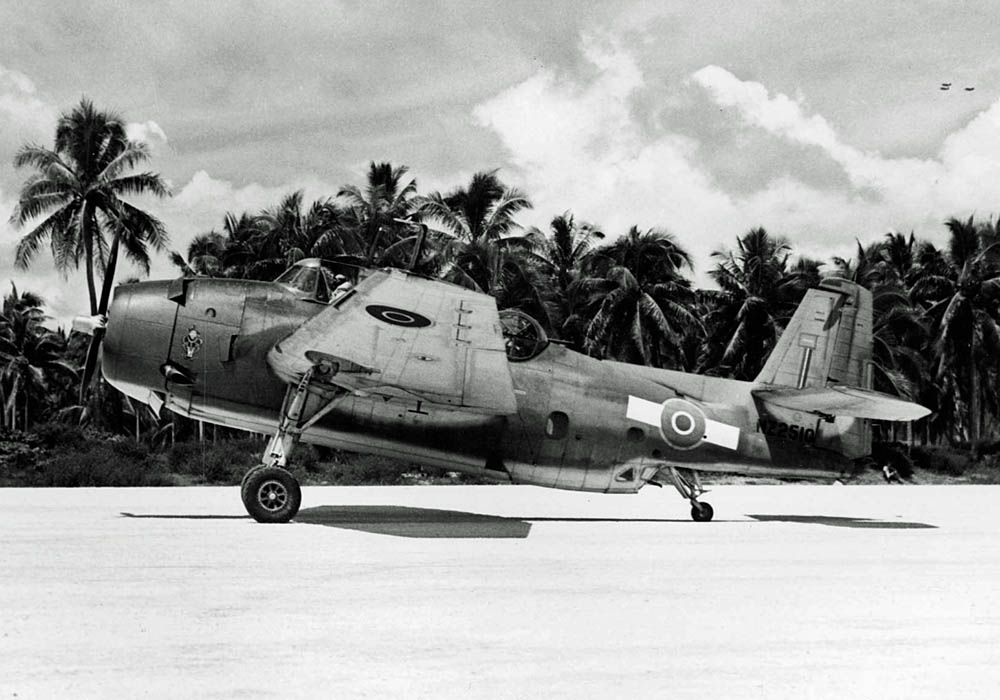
(580, 145)
(201, 204)
(148, 131)
(21, 110)
(960, 178)
(585, 144)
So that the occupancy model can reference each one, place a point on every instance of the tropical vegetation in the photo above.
(625, 295)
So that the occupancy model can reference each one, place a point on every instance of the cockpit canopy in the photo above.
(321, 281)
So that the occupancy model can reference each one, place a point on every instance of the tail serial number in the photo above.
(780, 429)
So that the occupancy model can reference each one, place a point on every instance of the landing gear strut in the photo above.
(689, 486)
(269, 491)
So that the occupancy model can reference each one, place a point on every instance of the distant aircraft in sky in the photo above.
(947, 86)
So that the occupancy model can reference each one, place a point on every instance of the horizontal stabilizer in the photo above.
(847, 401)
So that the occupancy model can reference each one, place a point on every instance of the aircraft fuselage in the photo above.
(200, 348)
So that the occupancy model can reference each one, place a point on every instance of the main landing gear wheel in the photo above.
(702, 512)
(271, 494)
(246, 476)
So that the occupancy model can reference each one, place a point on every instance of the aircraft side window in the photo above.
(557, 425)
(306, 280)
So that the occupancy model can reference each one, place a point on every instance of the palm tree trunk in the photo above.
(109, 275)
(10, 407)
(374, 236)
(974, 406)
(88, 245)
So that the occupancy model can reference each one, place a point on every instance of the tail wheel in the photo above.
(271, 494)
(702, 512)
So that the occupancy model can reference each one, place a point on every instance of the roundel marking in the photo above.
(682, 424)
(397, 317)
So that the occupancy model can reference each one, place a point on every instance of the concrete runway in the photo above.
(502, 592)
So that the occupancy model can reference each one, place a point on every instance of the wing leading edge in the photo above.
(402, 335)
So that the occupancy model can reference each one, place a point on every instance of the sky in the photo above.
(822, 122)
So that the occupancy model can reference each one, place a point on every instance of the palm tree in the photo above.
(900, 260)
(965, 324)
(29, 355)
(808, 273)
(567, 247)
(484, 209)
(204, 255)
(642, 303)
(281, 238)
(240, 234)
(510, 270)
(374, 215)
(865, 268)
(480, 245)
(757, 295)
(79, 186)
(261, 246)
(329, 227)
(565, 252)
(888, 269)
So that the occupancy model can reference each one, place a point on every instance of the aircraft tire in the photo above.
(246, 476)
(702, 512)
(271, 494)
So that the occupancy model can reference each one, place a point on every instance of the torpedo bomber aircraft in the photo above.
(387, 362)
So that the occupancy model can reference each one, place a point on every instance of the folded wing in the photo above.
(400, 335)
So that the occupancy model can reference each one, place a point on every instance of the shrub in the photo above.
(59, 435)
(986, 448)
(19, 452)
(358, 470)
(946, 460)
(109, 463)
(215, 463)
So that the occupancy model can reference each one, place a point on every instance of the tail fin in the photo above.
(822, 365)
(828, 342)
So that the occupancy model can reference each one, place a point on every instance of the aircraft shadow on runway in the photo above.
(405, 521)
(837, 521)
(174, 516)
(408, 521)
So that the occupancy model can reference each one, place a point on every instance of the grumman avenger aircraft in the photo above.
(390, 363)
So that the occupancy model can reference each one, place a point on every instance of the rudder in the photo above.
(828, 341)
